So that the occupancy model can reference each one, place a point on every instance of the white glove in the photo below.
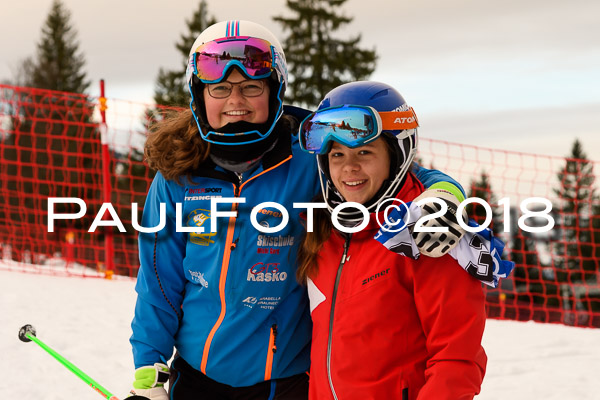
(150, 381)
(157, 393)
(436, 244)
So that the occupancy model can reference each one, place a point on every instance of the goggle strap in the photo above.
(398, 120)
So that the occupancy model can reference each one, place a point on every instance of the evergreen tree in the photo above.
(52, 149)
(577, 248)
(58, 64)
(523, 251)
(170, 84)
(527, 273)
(60, 123)
(317, 61)
(482, 189)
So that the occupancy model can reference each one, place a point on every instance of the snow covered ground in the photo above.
(87, 321)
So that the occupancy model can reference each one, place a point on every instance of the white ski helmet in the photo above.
(257, 54)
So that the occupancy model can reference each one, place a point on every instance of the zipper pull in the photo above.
(345, 256)
(274, 330)
(236, 191)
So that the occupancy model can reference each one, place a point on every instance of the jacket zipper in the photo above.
(333, 297)
(230, 245)
(271, 350)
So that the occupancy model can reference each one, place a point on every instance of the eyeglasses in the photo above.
(211, 60)
(350, 125)
(248, 88)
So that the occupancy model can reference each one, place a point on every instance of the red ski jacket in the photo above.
(389, 327)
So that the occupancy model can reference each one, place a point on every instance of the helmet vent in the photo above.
(381, 93)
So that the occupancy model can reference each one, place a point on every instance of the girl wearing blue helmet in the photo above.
(226, 299)
(384, 326)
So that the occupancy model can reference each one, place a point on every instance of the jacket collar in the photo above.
(281, 151)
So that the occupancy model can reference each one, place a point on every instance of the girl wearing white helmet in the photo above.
(226, 299)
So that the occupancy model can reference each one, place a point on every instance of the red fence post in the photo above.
(106, 186)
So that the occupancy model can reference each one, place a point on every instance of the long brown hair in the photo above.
(174, 146)
(312, 242)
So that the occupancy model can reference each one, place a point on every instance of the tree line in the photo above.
(316, 54)
(568, 277)
(58, 129)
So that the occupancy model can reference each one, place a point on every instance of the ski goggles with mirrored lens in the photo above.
(350, 125)
(254, 56)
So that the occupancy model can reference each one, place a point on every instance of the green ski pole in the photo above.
(27, 334)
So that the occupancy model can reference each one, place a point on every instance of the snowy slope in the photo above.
(87, 321)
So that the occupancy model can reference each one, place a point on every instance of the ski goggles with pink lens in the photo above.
(351, 126)
(254, 56)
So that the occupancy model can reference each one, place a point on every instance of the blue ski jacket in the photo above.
(227, 300)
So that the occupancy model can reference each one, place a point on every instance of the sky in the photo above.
(517, 75)
(87, 320)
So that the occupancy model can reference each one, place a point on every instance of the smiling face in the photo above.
(235, 108)
(359, 173)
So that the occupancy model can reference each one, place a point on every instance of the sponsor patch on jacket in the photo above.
(375, 276)
(267, 250)
(275, 241)
(192, 198)
(266, 272)
(198, 277)
(266, 303)
(202, 193)
(198, 218)
(204, 190)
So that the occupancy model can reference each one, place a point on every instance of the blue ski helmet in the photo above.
(381, 97)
